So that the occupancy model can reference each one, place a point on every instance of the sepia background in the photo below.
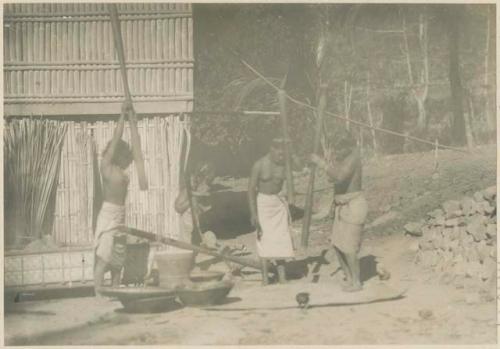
(415, 84)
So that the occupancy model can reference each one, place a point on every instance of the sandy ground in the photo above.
(453, 320)
(433, 311)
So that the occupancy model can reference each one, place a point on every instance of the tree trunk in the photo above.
(422, 115)
(469, 117)
(347, 104)
(407, 52)
(458, 122)
(424, 77)
(490, 69)
(370, 117)
(419, 92)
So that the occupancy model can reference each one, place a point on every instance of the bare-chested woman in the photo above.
(269, 211)
(350, 207)
(110, 242)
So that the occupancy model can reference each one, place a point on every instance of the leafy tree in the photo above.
(419, 69)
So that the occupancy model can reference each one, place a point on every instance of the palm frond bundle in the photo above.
(31, 164)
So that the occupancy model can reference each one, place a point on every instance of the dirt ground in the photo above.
(433, 311)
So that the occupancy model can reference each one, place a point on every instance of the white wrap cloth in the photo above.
(274, 219)
(109, 242)
(351, 210)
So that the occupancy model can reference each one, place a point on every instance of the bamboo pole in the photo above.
(90, 184)
(87, 214)
(186, 246)
(72, 182)
(36, 42)
(310, 187)
(158, 40)
(286, 138)
(9, 43)
(164, 38)
(171, 38)
(149, 158)
(136, 145)
(190, 38)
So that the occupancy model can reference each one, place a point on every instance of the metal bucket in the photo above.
(174, 267)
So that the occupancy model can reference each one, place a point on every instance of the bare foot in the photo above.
(100, 299)
(265, 281)
(345, 282)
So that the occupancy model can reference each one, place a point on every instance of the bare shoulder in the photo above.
(106, 170)
(257, 166)
(110, 173)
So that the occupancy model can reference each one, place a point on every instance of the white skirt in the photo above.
(273, 215)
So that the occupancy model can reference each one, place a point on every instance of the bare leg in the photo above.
(100, 269)
(280, 265)
(115, 277)
(343, 265)
(265, 276)
(353, 263)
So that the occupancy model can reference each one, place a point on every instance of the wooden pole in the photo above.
(136, 144)
(310, 187)
(288, 160)
(247, 262)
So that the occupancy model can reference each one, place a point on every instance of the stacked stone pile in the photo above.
(459, 238)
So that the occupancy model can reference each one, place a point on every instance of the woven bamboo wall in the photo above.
(59, 60)
(64, 53)
(152, 210)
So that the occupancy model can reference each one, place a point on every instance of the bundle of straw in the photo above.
(31, 167)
